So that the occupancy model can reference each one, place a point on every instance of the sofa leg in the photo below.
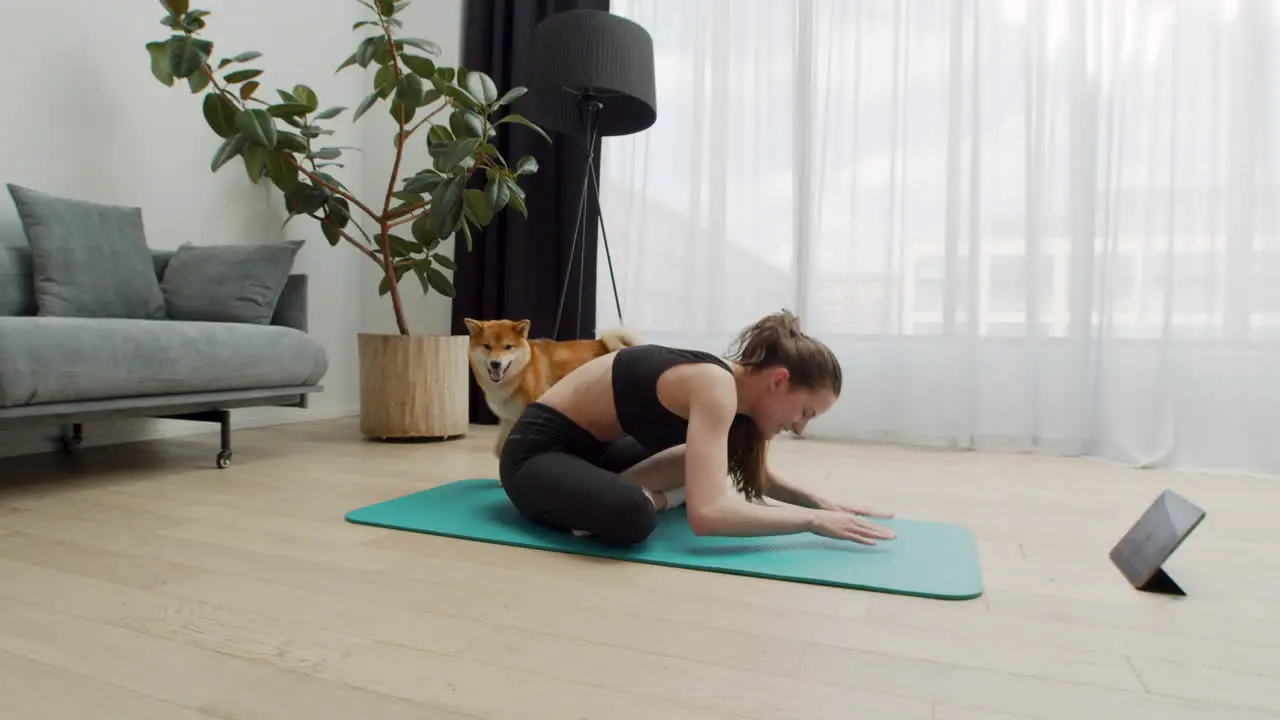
(224, 454)
(223, 418)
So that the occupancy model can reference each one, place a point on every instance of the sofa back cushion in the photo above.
(17, 280)
(88, 259)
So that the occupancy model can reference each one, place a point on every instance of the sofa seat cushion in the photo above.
(58, 359)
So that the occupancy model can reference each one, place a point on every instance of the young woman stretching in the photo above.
(645, 428)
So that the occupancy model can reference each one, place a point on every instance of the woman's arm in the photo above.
(785, 490)
(715, 508)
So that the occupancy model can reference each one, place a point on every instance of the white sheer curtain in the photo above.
(1023, 224)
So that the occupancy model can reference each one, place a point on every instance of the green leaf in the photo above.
(160, 68)
(194, 20)
(255, 162)
(444, 261)
(466, 232)
(338, 210)
(239, 76)
(424, 45)
(283, 173)
(258, 127)
(517, 118)
(409, 91)
(527, 165)
(431, 96)
(460, 95)
(497, 194)
(290, 142)
(476, 205)
(246, 56)
(285, 110)
(331, 113)
(481, 87)
(364, 106)
(288, 97)
(368, 49)
(329, 153)
(187, 55)
(400, 248)
(177, 7)
(423, 182)
(439, 134)
(305, 199)
(386, 8)
(465, 123)
(446, 206)
(420, 65)
(423, 233)
(511, 96)
(384, 81)
(439, 282)
(351, 60)
(331, 233)
(230, 148)
(517, 196)
(445, 74)
(451, 155)
(307, 96)
(221, 114)
(397, 108)
(198, 81)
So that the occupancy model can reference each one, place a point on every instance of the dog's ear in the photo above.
(522, 327)
(473, 326)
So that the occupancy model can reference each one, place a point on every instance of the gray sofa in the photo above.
(67, 371)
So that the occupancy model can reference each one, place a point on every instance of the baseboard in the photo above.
(14, 443)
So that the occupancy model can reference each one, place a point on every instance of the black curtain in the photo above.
(517, 267)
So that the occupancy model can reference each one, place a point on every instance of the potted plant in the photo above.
(411, 385)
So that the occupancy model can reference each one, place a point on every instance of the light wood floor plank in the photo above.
(32, 690)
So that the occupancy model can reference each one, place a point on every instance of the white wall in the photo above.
(88, 120)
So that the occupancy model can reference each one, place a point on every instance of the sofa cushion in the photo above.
(89, 259)
(227, 283)
(49, 360)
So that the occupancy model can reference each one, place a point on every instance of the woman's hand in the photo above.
(845, 525)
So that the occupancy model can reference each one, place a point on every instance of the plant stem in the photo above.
(343, 233)
(396, 215)
(384, 220)
(413, 215)
(333, 188)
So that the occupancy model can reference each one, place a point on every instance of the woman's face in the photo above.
(784, 407)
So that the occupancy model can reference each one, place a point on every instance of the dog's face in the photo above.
(499, 348)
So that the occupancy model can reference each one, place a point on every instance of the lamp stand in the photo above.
(589, 107)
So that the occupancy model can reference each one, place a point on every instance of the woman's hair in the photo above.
(774, 341)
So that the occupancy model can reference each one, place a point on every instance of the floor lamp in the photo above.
(591, 76)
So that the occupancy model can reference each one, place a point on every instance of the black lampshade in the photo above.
(592, 53)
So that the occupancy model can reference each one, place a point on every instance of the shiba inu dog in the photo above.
(514, 370)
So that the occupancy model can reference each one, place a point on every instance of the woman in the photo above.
(634, 432)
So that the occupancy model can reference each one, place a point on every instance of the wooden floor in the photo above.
(138, 582)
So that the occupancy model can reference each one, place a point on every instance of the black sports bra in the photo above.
(635, 393)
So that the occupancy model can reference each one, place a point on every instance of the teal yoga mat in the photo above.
(927, 559)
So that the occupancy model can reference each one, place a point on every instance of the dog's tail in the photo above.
(617, 338)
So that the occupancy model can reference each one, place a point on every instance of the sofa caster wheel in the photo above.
(72, 438)
(224, 459)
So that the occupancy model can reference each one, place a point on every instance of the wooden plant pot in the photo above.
(413, 387)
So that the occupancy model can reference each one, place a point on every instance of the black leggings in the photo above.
(558, 474)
